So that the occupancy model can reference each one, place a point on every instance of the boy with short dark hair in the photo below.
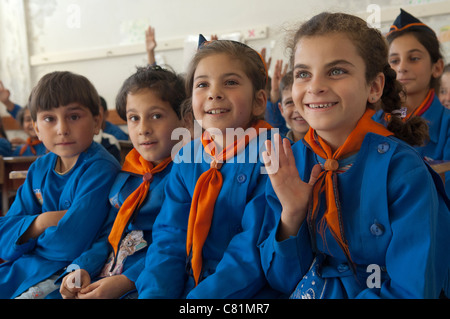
(63, 203)
(151, 101)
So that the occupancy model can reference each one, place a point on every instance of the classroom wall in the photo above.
(104, 39)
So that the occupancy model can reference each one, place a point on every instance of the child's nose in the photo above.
(145, 128)
(215, 93)
(401, 67)
(63, 128)
(316, 85)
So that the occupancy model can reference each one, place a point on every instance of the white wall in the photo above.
(104, 39)
(14, 54)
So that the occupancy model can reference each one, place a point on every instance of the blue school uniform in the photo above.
(39, 149)
(115, 131)
(94, 259)
(394, 215)
(231, 266)
(83, 192)
(438, 147)
(273, 117)
(5, 147)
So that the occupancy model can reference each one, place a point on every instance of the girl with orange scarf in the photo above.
(151, 102)
(205, 238)
(359, 207)
(414, 53)
(33, 146)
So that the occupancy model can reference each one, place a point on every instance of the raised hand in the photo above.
(278, 74)
(4, 97)
(4, 94)
(292, 192)
(150, 44)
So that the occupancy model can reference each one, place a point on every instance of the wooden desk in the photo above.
(440, 167)
(18, 174)
(10, 185)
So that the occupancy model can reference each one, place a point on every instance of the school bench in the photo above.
(440, 167)
(12, 175)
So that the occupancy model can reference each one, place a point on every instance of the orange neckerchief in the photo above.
(327, 181)
(134, 163)
(205, 195)
(30, 143)
(422, 108)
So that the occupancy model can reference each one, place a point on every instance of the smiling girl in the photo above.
(414, 53)
(205, 238)
(371, 202)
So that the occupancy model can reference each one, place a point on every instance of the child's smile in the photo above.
(150, 124)
(223, 94)
(330, 90)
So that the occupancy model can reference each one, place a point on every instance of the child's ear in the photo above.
(259, 103)
(376, 88)
(437, 69)
(36, 129)
(280, 107)
(98, 121)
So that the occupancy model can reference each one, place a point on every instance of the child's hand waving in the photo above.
(293, 193)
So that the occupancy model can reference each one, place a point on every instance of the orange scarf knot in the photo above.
(215, 164)
(326, 183)
(30, 143)
(331, 165)
(136, 164)
(206, 191)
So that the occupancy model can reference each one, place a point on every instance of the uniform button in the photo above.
(342, 267)
(67, 204)
(383, 148)
(241, 178)
(377, 229)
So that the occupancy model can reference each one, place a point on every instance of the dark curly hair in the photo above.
(166, 83)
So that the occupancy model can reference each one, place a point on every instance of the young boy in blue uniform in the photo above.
(63, 203)
(151, 103)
